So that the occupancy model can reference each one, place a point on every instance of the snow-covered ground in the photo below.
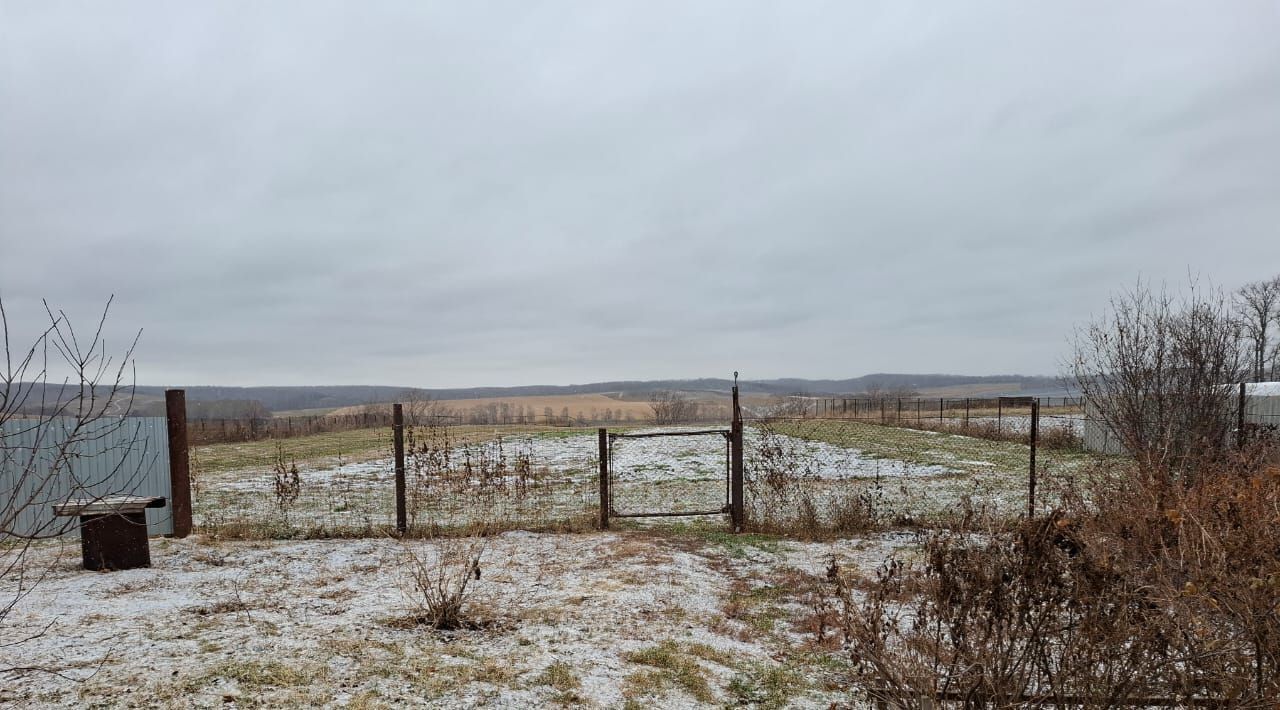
(660, 473)
(572, 619)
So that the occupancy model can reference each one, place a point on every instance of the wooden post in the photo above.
(1031, 480)
(999, 412)
(919, 420)
(966, 412)
(940, 403)
(604, 478)
(397, 430)
(175, 408)
(898, 418)
(1240, 419)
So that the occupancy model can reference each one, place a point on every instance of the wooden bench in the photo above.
(113, 530)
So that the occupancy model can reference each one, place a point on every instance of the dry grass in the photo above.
(1135, 588)
(675, 668)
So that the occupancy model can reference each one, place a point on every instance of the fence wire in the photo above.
(881, 465)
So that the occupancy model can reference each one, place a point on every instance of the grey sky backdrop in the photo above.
(455, 193)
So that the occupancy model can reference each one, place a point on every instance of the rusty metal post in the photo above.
(397, 430)
(175, 410)
(966, 412)
(999, 413)
(898, 417)
(1240, 439)
(940, 403)
(919, 419)
(882, 415)
(1035, 436)
(737, 510)
(604, 478)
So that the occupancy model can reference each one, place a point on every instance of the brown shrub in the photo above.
(1133, 589)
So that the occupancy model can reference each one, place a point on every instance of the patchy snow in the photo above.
(307, 623)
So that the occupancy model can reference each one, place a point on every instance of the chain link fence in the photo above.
(879, 464)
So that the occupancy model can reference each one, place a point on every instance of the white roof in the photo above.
(1262, 389)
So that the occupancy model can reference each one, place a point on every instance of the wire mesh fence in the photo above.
(343, 484)
(673, 472)
(885, 464)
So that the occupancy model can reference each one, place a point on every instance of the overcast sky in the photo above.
(459, 193)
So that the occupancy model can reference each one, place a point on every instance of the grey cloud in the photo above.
(448, 194)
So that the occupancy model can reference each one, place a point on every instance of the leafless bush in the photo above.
(1095, 605)
(58, 396)
(439, 580)
(671, 407)
(287, 481)
(788, 406)
(1156, 372)
(783, 492)
(465, 478)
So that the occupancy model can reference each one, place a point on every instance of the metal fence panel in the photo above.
(109, 456)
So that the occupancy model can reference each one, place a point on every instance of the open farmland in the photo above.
(548, 478)
(586, 404)
(652, 613)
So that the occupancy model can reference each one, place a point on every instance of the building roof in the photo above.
(1262, 389)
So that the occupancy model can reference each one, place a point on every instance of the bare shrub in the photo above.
(456, 480)
(1096, 605)
(778, 480)
(1156, 371)
(440, 579)
(287, 481)
(671, 407)
(784, 492)
(857, 510)
(60, 395)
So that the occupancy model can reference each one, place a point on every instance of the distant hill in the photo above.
(201, 398)
(320, 397)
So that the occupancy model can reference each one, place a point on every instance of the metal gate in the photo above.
(733, 496)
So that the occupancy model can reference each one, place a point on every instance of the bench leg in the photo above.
(115, 541)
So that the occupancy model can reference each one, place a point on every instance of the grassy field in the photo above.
(338, 448)
(926, 448)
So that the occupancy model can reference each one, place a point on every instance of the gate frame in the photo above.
(733, 483)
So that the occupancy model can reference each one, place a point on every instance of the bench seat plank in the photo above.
(108, 505)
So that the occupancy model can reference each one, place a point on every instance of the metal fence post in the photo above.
(397, 429)
(604, 478)
(1031, 480)
(1240, 419)
(175, 407)
(737, 510)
